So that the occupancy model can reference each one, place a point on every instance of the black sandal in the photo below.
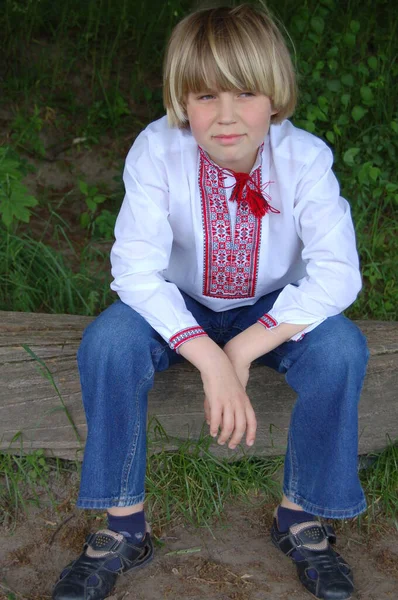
(91, 576)
(334, 580)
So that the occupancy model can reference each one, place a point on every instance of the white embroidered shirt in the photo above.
(178, 230)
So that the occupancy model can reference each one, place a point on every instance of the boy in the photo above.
(232, 245)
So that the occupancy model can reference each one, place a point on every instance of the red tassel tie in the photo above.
(255, 196)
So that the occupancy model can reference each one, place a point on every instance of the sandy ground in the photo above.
(235, 560)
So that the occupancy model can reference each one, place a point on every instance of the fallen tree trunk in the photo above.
(40, 400)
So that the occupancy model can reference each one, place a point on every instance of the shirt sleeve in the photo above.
(323, 223)
(142, 248)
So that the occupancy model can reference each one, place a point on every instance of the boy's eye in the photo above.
(205, 96)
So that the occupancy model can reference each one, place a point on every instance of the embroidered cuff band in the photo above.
(184, 335)
(268, 321)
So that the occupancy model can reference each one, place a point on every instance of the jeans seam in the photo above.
(131, 454)
(293, 483)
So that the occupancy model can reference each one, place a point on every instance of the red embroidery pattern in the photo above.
(268, 321)
(184, 335)
(230, 265)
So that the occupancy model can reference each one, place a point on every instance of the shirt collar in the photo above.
(230, 172)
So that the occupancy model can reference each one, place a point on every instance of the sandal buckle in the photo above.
(110, 546)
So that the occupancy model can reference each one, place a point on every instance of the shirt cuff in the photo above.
(269, 323)
(299, 336)
(185, 335)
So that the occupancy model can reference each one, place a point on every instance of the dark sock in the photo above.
(288, 517)
(131, 526)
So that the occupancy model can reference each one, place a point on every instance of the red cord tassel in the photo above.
(258, 204)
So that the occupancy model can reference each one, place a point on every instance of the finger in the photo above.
(240, 428)
(215, 419)
(251, 425)
(228, 424)
(207, 410)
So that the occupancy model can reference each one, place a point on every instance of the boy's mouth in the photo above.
(227, 140)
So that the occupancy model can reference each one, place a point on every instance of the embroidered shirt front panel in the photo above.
(230, 259)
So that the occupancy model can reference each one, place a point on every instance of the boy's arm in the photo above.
(323, 223)
(141, 252)
(255, 341)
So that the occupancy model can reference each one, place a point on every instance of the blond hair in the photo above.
(227, 48)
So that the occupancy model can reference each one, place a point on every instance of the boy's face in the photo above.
(230, 126)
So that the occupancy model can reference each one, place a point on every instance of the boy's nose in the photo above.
(226, 109)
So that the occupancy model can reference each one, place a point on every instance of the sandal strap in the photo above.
(310, 534)
(106, 543)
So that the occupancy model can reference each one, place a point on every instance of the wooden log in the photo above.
(35, 397)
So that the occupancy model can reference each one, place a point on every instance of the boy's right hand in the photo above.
(228, 407)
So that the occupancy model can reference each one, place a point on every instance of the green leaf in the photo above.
(350, 155)
(318, 24)
(333, 64)
(355, 26)
(374, 173)
(15, 204)
(372, 62)
(91, 204)
(8, 166)
(330, 136)
(394, 126)
(314, 37)
(345, 100)
(358, 112)
(323, 103)
(309, 126)
(367, 95)
(333, 85)
(299, 24)
(343, 120)
(99, 199)
(83, 187)
(85, 220)
(363, 69)
(328, 3)
(347, 79)
(332, 52)
(363, 174)
(337, 129)
(349, 40)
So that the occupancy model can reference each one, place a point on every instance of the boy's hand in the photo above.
(226, 402)
(227, 406)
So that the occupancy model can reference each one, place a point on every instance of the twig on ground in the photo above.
(64, 522)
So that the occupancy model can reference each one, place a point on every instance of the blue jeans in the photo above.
(117, 360)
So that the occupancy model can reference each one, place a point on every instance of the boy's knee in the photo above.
(116, 331)
(344, 343)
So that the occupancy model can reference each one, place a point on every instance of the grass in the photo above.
(34, 277)
(190, 483)
(380, 480)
